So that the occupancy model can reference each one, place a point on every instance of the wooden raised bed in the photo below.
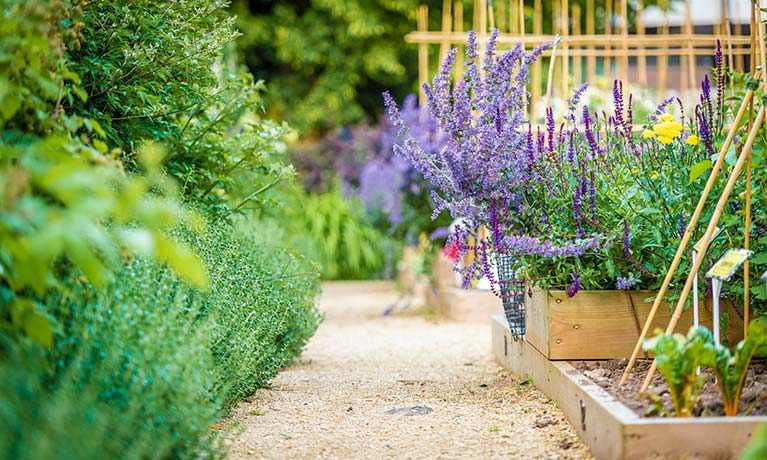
(456, 303)
(603, 324)
(609, 428)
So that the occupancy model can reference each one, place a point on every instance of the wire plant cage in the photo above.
(511, 290)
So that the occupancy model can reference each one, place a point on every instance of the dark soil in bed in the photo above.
(608, 373)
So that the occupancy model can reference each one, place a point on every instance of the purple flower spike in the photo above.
(625, 283)
(576, 286)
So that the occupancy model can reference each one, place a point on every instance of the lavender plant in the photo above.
(489, 173)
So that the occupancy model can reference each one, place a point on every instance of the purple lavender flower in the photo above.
(661, 109)
(625, 283)
(682, 225)
(575, 99)
(550, 127)
(719, 74)
(627, 249)
(618, 101)
(576, 286)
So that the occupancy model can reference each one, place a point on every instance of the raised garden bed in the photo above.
(611, 429)
(603, 324)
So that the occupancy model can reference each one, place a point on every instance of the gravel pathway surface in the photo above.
(403, 386)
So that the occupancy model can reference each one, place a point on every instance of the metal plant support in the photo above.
(512, 293)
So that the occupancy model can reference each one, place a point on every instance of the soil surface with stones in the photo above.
(401, 386)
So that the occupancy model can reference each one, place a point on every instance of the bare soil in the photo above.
(400, 386)
(607, 374)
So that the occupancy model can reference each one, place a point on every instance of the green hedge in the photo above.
(143, 367)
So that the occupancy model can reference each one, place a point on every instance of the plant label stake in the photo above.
(695, 249)
(764, 278)
(722, 271)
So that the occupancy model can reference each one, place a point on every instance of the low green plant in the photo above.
(678, 358)
(730, 367)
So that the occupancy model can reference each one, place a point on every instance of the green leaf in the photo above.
(38, 328)
(698, 169)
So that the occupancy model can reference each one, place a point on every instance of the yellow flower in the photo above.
(692, 139)
(664, 139)
(648, 134)
(668, 129)
(667, 117)
(655, 175)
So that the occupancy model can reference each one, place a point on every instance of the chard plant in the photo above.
(678, 358)
(730, 367)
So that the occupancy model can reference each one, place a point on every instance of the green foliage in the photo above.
(263, 304)
(134, 378)
(145, 365)
(60, 186)
(155, 71)
(730, 367)
(116, 339)
(311, 54)
(678, 358)
(757, 447)
(334, 232)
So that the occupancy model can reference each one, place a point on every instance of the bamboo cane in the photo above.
(447, 20)
(691, 64)
(550, 83)
(537, 76)
(642, 59)
(709, 233)
(577, 60)
(608, 31)
(625, 41)
(565, 81)
(688, 232)
(747, 223)
(662, 60)
(423, 53)
(591, 61)
(728, 34)
(522, 18)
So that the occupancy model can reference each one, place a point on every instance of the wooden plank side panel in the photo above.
(603, 324)
(537, 321)
(701, 438)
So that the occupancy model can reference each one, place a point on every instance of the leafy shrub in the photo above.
(262, 301)
(143, 367)
(67, 203)
(155, 71)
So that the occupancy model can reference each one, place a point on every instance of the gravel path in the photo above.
(400, 387)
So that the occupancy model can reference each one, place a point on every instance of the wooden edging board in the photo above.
(610, 429)
(469, 305)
